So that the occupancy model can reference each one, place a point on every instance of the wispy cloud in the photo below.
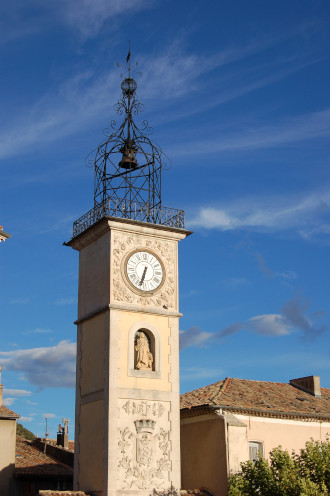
(300, 128)
(293, 317)
(194, 337)
(235, 282)
(199, 373)
(84, 97)
(8, 401)
(20, 301)
(26, 419)
(286, 276)
(38, 330)
(17, 392)
(86, 21)
(302, 214)
(91, 15)
(44, 367)
(65, 301)
(48, 415)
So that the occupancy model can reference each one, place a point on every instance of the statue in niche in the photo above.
(144, 357)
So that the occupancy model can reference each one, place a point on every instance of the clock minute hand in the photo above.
(143, 276)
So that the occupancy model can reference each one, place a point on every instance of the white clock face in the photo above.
(144, 271)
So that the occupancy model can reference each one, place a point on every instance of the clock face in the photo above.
(144, 271)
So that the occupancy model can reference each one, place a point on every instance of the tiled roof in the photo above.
(30, 461)
(54, 443)
(259, 397)
(6, 413)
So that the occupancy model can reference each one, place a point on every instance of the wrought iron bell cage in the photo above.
(128, 165)
(127, 170)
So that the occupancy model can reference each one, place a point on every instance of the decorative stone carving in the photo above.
(144, 443)
(145, 408)
(123, 244)
(144, 357)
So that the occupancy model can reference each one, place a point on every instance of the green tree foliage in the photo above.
(21, 431)
(304, 474)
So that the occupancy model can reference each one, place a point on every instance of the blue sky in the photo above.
(238, 96)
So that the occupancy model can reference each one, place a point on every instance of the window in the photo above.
(256, 449)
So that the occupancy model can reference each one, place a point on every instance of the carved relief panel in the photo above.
(125, 244)
(144, 444)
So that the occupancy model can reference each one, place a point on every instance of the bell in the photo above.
(128, 160)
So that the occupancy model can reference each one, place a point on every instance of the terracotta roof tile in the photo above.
(6, 413)
(54, 443)
(260, 396)
(30, 461)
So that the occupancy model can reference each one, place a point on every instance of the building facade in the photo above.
(235, 420)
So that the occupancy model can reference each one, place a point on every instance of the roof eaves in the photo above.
(275, 413)
(207, 408)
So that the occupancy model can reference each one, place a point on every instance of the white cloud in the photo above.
(85, 18)
(269, 325)
(285, 276)
(296, 129)
(65, 301)
(90, 15)
(17, 392)
(48, 415)
(235, 282)
(199, 373)
(84, 97)
(293, 317)
(193, 337)
(20, 301)
(26, 419)
(52, 366)
(269, 214)
(8, 401)
(38, 330)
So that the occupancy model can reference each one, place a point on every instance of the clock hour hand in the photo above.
(143, 276)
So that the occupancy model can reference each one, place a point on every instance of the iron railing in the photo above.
(170, 217)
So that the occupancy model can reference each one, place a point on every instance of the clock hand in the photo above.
(143, 276)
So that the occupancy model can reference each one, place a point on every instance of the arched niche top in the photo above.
(154, 340)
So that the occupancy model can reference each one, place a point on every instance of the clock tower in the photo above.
(127, 439)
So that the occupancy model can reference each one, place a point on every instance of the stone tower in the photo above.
(127, 391)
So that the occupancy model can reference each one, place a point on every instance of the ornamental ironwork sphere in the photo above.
(128, 87)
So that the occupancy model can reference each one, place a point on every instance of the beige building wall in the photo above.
(214, 445)
(127, 420)
(290, 434)
(204, 454)
(7, 455)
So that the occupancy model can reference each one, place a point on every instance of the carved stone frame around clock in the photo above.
(140, 292)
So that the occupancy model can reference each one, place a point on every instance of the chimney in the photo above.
(63, 434)
(1, 389)
(310, 384)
